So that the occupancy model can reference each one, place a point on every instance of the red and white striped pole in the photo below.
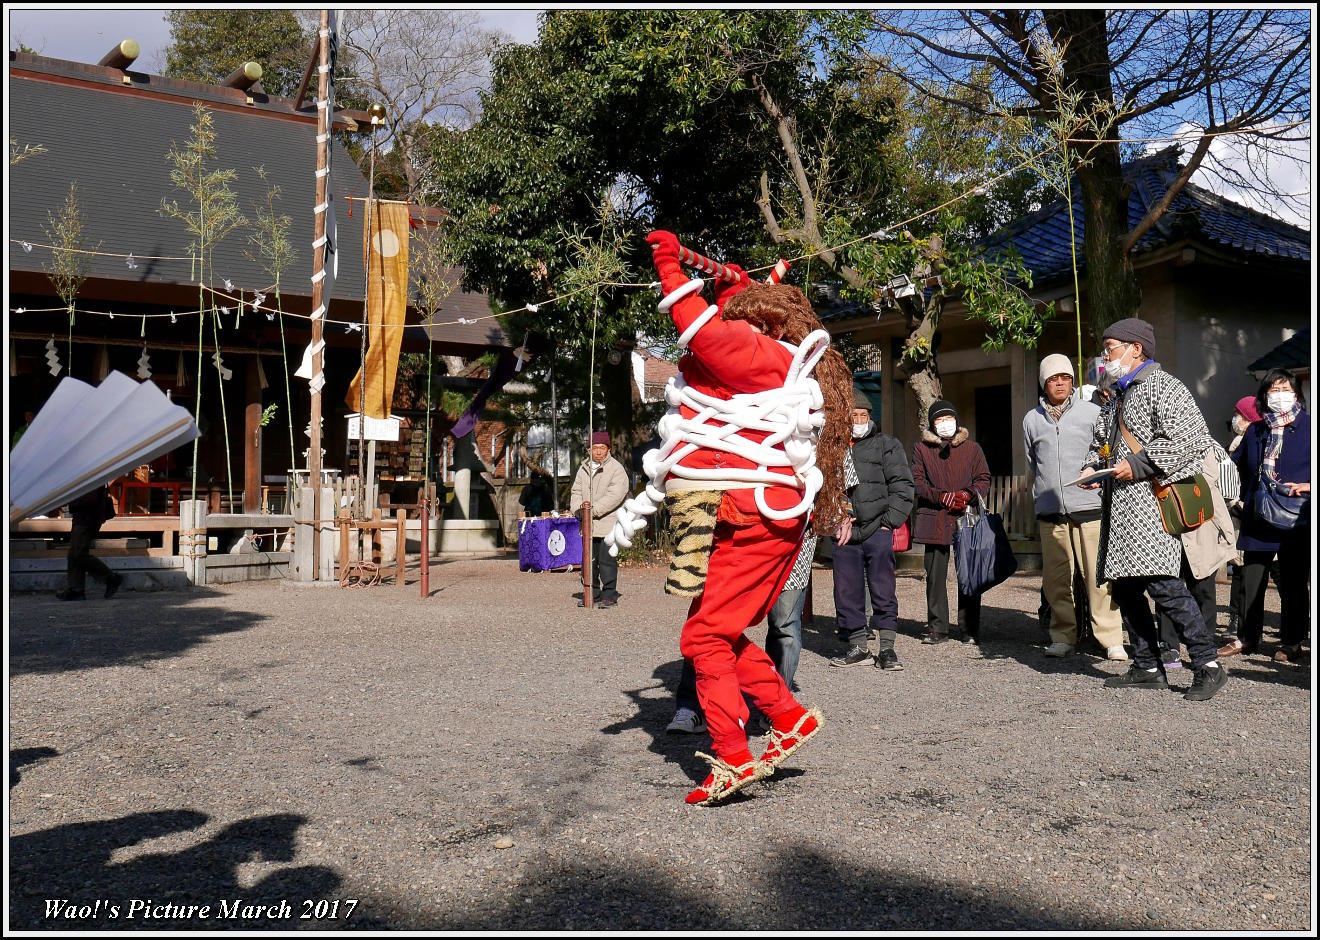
(777, 275)
(702, 263)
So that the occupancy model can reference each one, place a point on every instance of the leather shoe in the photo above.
(1235, 647)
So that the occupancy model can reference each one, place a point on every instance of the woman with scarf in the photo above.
(1275, 452)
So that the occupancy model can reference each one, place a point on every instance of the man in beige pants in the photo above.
(1056, 436)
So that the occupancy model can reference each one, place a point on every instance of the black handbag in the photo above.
(1274, 507)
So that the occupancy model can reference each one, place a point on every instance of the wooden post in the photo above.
(401, 546)
(586, 555)
(325, 537)
(426, 541)
(252, 440)
(343, 545)
(324, 122)
(304, 528)
(376, 555)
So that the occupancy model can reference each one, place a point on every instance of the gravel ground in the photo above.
(495, 758)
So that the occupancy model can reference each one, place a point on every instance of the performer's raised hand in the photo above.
(724, 291)
(664, 255)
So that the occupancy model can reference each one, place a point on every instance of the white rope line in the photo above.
(790, 416)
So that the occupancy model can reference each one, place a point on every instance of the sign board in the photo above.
(377, 429)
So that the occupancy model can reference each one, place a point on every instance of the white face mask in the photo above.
(1280, 402)
(859, 430)
(1239, 425)
(946, 429)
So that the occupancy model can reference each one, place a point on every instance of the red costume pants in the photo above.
(750, 560)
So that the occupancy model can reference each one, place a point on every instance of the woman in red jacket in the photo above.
(769, 468)
(949, 470)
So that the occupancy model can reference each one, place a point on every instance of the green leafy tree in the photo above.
(1110, 81)
(647, 113)
(207, 45)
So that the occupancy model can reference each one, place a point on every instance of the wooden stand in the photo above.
(375, 525)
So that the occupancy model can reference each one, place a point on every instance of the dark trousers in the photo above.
(1292, 581)
(604, 572)
(81, 560)
(936, 562)
(855, 566)
(1203, 593)
(1172, 599)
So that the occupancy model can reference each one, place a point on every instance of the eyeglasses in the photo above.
(1108, 352)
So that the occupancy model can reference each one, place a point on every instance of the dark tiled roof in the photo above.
(113, 141)
(1196, 213)
(1293, 353)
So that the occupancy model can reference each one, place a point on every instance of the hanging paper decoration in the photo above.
(53, 357)
(225, 374)
(229, 285)
(258, 301)
(27, 246)
(144, 365)
(132, 265)
(180, 374)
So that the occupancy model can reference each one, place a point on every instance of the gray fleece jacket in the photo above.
(1055, 455)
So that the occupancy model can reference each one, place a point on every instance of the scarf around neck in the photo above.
(1277, 423)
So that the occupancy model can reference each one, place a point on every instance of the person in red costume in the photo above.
(735, 348)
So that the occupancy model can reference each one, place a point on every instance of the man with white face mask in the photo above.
(1149, 431)
(949, 472)
(880, 494)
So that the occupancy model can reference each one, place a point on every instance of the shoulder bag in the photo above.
(1184, 504)
(1274, 507)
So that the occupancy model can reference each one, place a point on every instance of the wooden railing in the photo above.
(1010, 496)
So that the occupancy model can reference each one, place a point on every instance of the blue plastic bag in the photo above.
(981, 553)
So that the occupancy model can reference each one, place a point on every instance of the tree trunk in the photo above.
(1112, 290)
(924, 375)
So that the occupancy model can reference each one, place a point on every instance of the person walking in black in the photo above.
(88, 513)
(880, 499)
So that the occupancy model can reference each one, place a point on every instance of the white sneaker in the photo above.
(1116, 653)
(686, 721)
(1058, 649)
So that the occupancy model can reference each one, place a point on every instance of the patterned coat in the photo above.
(1161, 414)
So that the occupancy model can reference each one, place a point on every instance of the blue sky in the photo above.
(84, 35)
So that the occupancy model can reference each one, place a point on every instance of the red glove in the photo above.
(724, 291)
(948, 499)
(664, 255)
(960, 500)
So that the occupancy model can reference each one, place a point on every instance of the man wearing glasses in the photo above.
(1150, 430)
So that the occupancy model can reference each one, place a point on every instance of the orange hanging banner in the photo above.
(386, 262)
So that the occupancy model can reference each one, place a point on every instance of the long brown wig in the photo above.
(783, 310)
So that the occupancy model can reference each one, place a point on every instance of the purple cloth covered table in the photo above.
(549, 543)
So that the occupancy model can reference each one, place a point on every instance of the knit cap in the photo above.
(1133, 330)
(1056, 364)
(1246, 407)
(941, 407)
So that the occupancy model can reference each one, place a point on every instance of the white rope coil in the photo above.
(790, 416)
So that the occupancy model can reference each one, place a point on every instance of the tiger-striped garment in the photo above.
(692, 520)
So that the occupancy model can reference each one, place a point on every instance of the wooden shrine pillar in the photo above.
(252, 438)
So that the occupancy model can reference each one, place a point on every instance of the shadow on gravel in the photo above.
(49, 636)
(73, 862)
(803, 889)
(654, 712)
(24, 756)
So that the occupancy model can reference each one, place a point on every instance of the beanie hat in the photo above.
(1133, 330)
(1247, 408)
(941, 407)
(601, 437)
(860, 400)
(1056, 364)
